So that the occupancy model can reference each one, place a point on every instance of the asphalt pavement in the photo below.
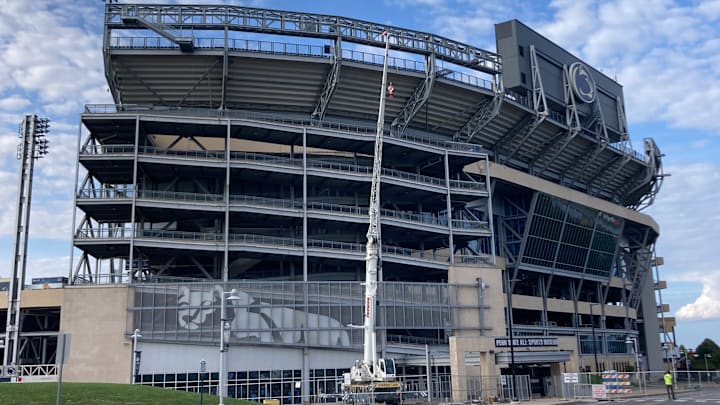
(708, 395)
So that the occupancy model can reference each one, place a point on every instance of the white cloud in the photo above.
(47, 267)
(685, 209)
(710, 9)
(49, 53)
(664, 53)
(707, 305)
(659, 51)
(14, 103)
(414, 3)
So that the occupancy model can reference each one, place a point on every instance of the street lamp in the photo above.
(202, 378)
(635, 349)
(687, 365)
(136, 355)
(224, 329)
(707, 370)
(637, 357)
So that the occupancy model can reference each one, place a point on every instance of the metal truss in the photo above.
(540, 112)
(161, 18)
(148, 88)
(594, 151)
(598, 121)
(417, 100)
(111, 75)
(624, 145)
(200, 80)
(330, 82)
(185, 43)
(485, 112)
(101, 272)
(523, 242)
(635, 260)
(572, 120)
(654, 175)
(607, 179)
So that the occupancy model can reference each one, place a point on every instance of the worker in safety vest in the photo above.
(669, 385)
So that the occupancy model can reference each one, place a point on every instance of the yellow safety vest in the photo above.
(668, 379)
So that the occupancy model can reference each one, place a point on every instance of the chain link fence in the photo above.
(615, 385)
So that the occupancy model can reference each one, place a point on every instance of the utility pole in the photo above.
(508, 290)
(33, 145)
(592, 327)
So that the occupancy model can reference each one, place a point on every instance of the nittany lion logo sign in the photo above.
(582, 82)
(254, 320)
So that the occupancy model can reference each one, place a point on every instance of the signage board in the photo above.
(526, 342)
(571, 377)
(598, 391)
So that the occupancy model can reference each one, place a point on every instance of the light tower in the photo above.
(33, 145)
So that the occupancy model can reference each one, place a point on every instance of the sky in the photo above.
(665, 53)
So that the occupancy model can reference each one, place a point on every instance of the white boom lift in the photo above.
(372, 375)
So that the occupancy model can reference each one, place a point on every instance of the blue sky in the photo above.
(665, 53)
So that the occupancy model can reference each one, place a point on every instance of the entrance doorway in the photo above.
(541, 380)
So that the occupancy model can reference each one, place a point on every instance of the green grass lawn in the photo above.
(101, 394)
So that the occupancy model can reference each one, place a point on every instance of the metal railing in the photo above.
(498, 388)
(283, 48)
(618, 384)
(287, 161)
(204, 19)
(180, 196)
(281, 119)
(378, 59)
(266, 202)
(215, 238)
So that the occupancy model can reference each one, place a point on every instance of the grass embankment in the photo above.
(102, 394)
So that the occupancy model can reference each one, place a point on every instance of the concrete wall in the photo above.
(469, 316)
(651, 330)
(95, 318)
(462, 347)
(52, 297)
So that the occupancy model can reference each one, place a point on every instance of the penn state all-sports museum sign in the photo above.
(526, 342)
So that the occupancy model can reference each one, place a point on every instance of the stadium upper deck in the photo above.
(227, 58)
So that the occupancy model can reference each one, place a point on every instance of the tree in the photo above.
(707, 346)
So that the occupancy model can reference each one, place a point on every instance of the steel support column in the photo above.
(485, 113)
(330, 82)
(540, 111)
(132, 268)
(185, 43)
(417, 100)
(572, 120)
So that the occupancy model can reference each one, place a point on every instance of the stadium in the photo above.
(223, 200)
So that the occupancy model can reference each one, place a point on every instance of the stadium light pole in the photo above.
(33, 145)
(224, 329)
